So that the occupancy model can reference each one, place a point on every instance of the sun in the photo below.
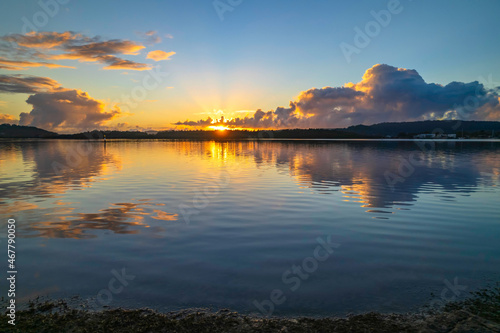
(219, 128)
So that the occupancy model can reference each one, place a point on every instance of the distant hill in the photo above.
(15, 131)
(476, 129)
(420, 127)
(245, 135)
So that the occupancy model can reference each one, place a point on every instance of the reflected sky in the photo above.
(406, 215)
(384, 177)
(45, 169)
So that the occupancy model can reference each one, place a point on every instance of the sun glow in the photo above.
(219, 128)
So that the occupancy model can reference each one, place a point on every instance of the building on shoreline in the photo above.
(435, 136)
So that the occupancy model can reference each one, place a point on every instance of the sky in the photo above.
(73, 65)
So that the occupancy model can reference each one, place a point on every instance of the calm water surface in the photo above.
(208, 224)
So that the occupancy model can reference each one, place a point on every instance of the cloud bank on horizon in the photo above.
(385, 94)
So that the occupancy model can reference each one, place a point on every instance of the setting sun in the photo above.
(219, 128)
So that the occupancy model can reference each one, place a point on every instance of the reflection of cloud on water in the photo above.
(17, 206)
(120, 218)
(358, 170)
(161, 215)
(49, 168)
(351, 171)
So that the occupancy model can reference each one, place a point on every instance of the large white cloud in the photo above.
(66, 110)
(385, 93)
(54, 107)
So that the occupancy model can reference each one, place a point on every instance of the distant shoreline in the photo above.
(418, 130)
(248, 140)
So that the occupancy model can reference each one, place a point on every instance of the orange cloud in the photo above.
(23, 65)
(103, 48)
(43, 40)
(103, 52)
(118, 63)
(159, 55)
(7, 119)
(27, 84)
(69, 45)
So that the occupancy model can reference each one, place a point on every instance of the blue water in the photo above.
(222, 224)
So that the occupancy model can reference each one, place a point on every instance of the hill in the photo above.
(408, 129)
(473, 129)
(249, 135)
(15, 131)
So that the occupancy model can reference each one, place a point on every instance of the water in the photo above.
(208, 224)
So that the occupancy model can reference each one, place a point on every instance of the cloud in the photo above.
(26, 84)
(199, 123)
(69, 45)
(56, 108)
(118, 63)
(104, 52)
(45, 40)
(159, 55)
(384, 94)
(66, 110)
(150, 37)
(91, 50)
(7, 119)
(22, 65)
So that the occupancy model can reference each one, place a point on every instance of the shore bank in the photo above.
(479, 313)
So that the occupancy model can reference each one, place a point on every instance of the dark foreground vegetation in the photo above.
(480, 313)
(402, 130)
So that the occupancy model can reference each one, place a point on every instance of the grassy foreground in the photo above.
(480, 313)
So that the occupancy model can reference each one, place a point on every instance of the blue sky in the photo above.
(264, 53)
